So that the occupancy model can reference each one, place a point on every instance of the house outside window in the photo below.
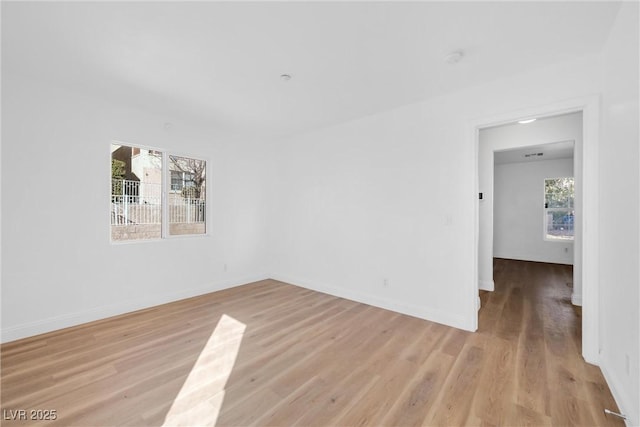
(180, 180)
(141, 208)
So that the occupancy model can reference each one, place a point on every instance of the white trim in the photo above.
(98, 313)
(418, 311)
(589, 232)
(474, 136)
(576, 299)
(164, 196)
(530, 257)
(616, 387)
(590, 107)
(486, 285)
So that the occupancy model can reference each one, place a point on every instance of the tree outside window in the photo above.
(559, 195)
(142, 208)
(188, 178)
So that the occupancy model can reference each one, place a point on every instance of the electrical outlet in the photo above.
(224, 267)
(566, 250)
(385, 282)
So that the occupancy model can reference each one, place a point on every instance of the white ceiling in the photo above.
(221, 62)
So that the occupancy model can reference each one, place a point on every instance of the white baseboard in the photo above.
(25, 330)
(426, 313)
(621, 398)
(534, 258)
(486, 285)
(576, 299)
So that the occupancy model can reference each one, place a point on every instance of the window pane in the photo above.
(136, 193)
(187, 199)
(559, 192)
(176, 181)
(560, 224)
(559, 213)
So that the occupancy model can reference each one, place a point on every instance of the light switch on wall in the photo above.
(448, 219)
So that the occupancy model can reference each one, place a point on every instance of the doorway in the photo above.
(585, 171)
(513, 219)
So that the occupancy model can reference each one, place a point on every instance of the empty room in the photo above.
(320, 213)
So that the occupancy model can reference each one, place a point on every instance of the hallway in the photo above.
(531, 317)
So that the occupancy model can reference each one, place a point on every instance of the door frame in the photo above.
(589, 227)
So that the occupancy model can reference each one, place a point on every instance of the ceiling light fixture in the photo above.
(524, 122)
(454, 57)
(285, 77)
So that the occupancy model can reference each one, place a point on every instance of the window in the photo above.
(559, 211)
(141, 208)
(181, 179)
(187, 200)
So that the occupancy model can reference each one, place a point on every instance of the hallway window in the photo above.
(559, 210)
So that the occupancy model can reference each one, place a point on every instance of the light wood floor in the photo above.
(269, 353)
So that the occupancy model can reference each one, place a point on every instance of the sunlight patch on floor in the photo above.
(200, 399)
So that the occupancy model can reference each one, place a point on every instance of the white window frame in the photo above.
(546, 210)
(166, 180)
(165, 191)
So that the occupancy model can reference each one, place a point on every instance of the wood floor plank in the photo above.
(382, 396)
(338, 399)
(517, 415)
(416, 402)
(458, 391)
(497, 384)
(531, 374)
(269, 353)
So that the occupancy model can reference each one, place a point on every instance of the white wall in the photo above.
(518, 212)
(567, 127)
(386, 196)
(392, 196)
(620, 213)
(59, 267)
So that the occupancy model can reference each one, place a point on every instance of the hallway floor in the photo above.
(537, 333)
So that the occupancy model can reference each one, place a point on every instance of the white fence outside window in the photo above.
(135, 202)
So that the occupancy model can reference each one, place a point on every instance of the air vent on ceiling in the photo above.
(534, 155)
